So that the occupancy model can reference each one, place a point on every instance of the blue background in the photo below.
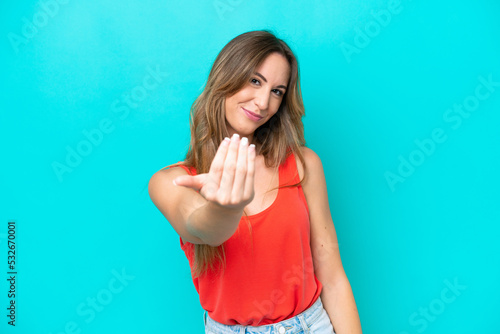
(373, 86)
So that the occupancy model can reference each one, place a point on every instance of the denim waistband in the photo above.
(292, 325)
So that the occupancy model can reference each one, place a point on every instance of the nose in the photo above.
(262, 99)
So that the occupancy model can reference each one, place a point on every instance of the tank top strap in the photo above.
(288, 171)
(189, 170)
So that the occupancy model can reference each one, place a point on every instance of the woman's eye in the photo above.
(276, 91)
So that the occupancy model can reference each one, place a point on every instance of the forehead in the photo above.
(275, 69)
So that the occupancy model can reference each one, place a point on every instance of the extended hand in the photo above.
(230, 181)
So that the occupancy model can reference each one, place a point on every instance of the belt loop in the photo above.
(303, 323)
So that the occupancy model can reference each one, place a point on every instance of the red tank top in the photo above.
(269, 275)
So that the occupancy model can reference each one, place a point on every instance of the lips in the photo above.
(251, 115)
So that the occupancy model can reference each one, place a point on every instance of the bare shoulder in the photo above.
(312, 160)
(163, 178)
(161, 183)
(174, 202)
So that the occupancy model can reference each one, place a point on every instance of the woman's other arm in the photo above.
(336, 295)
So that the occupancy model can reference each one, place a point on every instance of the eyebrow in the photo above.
(260, 75)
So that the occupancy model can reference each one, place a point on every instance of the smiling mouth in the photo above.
(252, 115)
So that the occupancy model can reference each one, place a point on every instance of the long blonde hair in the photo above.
(275, 140)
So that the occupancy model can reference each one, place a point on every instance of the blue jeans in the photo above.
(314, 320)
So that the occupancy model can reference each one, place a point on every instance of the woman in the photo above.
(250, 203)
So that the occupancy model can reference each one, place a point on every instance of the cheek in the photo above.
(271, 115)
(229, 106)
(231, 110)
(232, 102)
(275, 105)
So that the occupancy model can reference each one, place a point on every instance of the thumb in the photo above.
(194, 182)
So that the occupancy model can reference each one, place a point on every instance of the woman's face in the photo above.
(259, 99)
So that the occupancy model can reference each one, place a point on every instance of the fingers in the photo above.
(241, 171)
(230, 181)
(217, 165)
(250, 177)
(227, 178)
